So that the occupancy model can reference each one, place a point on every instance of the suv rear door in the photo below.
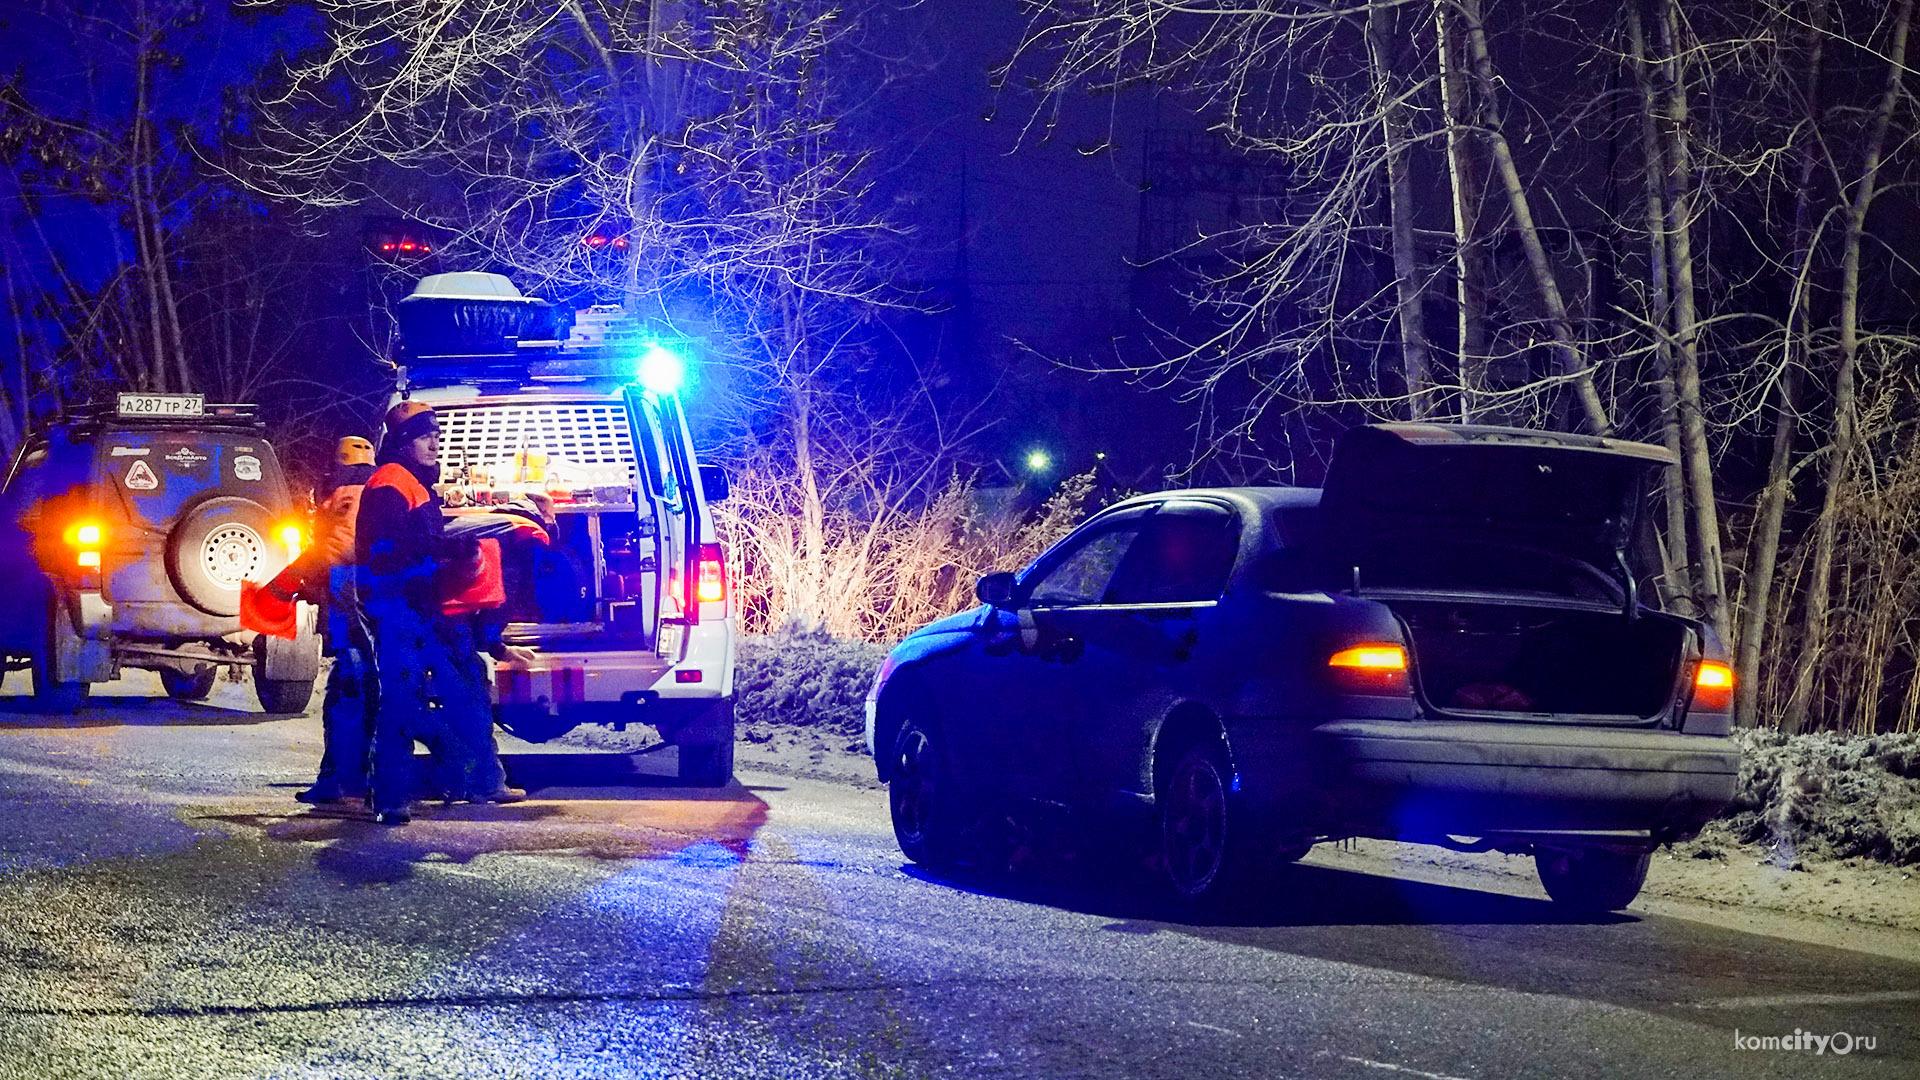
(198, 509)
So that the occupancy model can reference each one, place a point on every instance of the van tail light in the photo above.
(712, 586)
(1370, 668)
(1713, 686)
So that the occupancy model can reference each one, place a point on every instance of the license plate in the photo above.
(163, 404)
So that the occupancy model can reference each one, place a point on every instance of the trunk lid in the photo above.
(1402, 495)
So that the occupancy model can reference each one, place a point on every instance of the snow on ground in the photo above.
(1718, 870)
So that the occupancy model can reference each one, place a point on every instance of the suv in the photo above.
(628, 609)
(125, 532)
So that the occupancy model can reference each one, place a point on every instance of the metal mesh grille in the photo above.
(588, 433)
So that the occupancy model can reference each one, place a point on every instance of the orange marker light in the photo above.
(87, 535)
(89, 560)
(1713, 686)
(293, 538)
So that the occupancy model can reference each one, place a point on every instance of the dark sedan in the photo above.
(1454, 641)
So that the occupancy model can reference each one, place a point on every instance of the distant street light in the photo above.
(1039, 461)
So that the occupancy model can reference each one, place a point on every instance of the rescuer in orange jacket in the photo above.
(346, 715)
(425, 692)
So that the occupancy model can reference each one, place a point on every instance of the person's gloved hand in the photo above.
(516, 654)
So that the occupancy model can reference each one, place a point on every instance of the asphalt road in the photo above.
(167, 910)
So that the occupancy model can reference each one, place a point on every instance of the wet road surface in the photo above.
(168, 910)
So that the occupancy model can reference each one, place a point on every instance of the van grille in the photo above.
(592, 434)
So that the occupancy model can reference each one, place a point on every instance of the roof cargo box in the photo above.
(452, 318)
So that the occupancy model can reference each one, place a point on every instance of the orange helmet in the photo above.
(353, 450)
(410, 420)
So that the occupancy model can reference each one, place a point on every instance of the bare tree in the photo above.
(693, 161)
(94, 134)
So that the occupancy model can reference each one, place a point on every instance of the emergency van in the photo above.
(627, 608)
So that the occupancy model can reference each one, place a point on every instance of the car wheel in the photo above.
(192, 685)
(218, 544)
(51, 695)
(923, 797)
(1592, 879)
(706, 764)
(1209, 847)
(283, 695)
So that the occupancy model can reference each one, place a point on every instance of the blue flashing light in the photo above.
(661, 370)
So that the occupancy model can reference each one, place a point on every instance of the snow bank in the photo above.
(802, 680)
(1828, 796)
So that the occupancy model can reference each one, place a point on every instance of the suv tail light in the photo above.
(1713, 686)
(86, 538)
(712, 587)
(1370, 668)
(293, 537)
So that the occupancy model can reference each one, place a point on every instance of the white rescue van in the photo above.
(628, 610)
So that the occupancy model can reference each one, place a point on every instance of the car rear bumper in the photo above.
(1422, 780)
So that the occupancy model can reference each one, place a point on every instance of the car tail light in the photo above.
(1713, 686)
(1370, 668)
(712, 587)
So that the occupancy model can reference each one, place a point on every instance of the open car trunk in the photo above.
(1483, 656)
(1509, 555)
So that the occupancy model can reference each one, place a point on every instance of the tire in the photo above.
(217, 544)
(192, 685)
(283, 695)
(706, 764)
(923, 797)
(49, 695)
(1211, 849)
(1592, 880)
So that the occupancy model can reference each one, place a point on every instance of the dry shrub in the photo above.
(878, 569)
(1865, 680)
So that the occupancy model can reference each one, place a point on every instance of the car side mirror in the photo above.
(714, 483)
(996, 589)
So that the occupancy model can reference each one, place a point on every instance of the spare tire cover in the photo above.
(218, 544)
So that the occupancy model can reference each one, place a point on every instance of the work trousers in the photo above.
(426, 694)
(346, 723)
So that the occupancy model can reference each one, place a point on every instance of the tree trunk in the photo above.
(1840, 453)
(1763, 550)
(1678, 578)
(1463, 175)
(1416, 356)
(1573, 361)
(154, 376)
(1686, 334)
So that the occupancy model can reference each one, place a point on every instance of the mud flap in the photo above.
(710, 726)
(296, 659)
(74, 658)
